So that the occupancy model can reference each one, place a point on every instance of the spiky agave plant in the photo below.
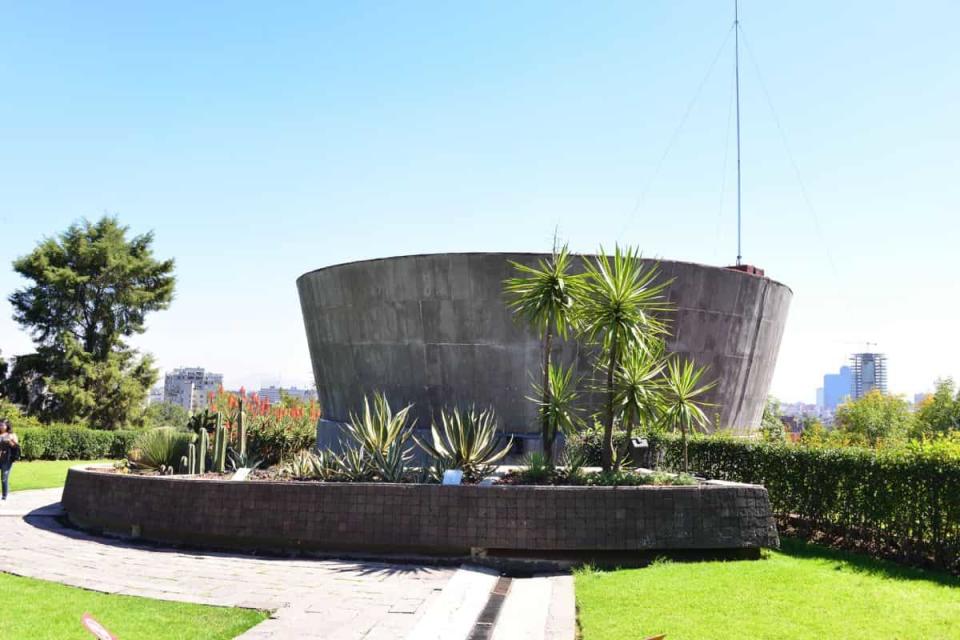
(304, 465)
(465, 440)
(161, 448)
(620, 308)
(352, 465)
(383, 436)
(683, 408)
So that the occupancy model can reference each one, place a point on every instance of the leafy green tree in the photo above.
(939, 413)
(771, 424)
(683, 408)
(165, 414)
(873, 419)
(620, 308)
(90, 289)
(543, 296)
(814, 434)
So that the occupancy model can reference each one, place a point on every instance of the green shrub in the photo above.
(629, 478)
(16, 417)
(537, 469)
(588, 444)
(73, 443)
(909, 495)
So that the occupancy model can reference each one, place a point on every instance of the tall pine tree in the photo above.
(91, 289)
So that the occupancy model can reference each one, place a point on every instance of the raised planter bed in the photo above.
(417, 518)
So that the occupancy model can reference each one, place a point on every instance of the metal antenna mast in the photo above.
(736, 48)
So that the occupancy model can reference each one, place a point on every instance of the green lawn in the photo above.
(802, 591)
(42, 474)
(41, 610)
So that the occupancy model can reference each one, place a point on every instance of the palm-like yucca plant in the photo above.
(639, 386)
(620, 308)
(383, 436)
(558, 407)
(465, 440)
(543, 296)
(683, 406)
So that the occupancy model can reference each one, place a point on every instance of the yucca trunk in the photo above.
(546, 431)
(683, 436)
(608, 427)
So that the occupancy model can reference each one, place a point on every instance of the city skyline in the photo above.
(259, 145)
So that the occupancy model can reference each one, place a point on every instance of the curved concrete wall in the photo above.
(433, 330)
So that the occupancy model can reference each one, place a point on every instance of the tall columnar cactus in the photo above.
(188, 463)
(220, 446)
(241, 430)
(201, 452)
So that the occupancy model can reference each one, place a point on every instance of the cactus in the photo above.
(192, 458)
(241, 430)
(188, 463)
(202, 452)
(220, 446)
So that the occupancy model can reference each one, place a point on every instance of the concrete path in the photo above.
(333, 599)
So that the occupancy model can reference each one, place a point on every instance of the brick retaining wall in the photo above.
(420, 518)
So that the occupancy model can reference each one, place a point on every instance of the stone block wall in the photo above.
(420, 518)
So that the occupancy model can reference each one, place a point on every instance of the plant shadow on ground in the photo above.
(364, 565)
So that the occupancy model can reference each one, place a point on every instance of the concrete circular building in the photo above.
(434, 330)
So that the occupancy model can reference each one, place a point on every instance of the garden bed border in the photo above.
(419, 518)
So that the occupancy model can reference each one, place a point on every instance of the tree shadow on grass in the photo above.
(859, 563)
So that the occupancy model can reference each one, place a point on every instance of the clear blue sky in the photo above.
(261, 141)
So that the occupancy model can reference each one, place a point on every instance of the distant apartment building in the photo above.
(272, 393)
(837, 388)
(190, 386)
(869, 373)
(155, 395)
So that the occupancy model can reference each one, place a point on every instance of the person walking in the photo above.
(9, 453)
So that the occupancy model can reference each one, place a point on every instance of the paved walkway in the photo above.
(332, 599)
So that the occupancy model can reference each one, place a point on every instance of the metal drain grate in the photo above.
(483, 627)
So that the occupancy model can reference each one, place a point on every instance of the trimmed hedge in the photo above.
(74, 443)
(909, 497)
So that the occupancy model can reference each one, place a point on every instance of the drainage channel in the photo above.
(483, 627)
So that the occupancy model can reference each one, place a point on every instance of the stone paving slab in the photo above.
(310, 598)
(331, 599)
